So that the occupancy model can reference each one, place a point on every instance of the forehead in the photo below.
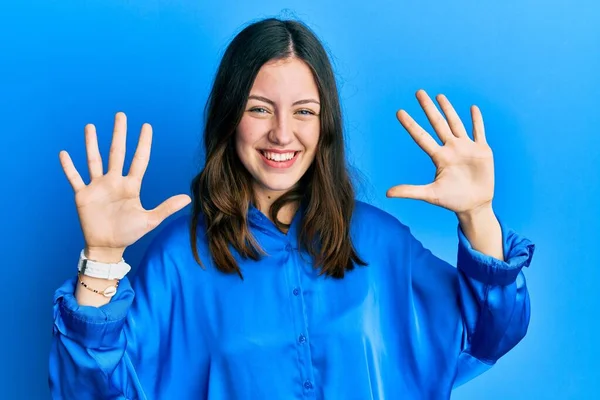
(288, 78)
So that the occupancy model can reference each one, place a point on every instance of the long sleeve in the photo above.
(101, 353)
(494, 300)
(88, 345)
(481, 308)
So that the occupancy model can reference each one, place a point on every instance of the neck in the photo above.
(266, 199)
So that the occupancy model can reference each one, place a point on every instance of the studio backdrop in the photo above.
(531, 66)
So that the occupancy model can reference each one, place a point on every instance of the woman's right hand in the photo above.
(110, 211)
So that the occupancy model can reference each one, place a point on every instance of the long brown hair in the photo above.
(222, 192)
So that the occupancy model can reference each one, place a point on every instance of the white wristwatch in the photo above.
(96, 269)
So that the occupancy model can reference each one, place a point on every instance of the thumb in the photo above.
(167, 208)
(416, 192)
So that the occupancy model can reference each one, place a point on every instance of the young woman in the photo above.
(280, 285)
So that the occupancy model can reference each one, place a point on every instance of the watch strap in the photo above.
(96, 269)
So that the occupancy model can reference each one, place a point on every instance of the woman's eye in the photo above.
(306, 112)
(259, 110)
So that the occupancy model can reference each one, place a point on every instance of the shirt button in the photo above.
(302, 338)
(308, 385)
(288, 247)
(296, 291)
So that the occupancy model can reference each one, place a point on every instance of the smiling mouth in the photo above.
(279, 157)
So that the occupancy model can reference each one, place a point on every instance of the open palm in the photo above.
(464, 178)
(109, 207)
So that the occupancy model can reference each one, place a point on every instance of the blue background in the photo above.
(528, 64)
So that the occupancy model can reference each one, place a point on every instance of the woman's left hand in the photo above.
(464, 178)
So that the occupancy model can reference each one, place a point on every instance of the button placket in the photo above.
(294, 270)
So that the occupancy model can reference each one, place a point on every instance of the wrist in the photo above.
(474, 216)
(483, 231)
(478, 223)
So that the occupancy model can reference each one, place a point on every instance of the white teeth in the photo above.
(278, 156)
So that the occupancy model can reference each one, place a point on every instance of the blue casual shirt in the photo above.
(408, 325)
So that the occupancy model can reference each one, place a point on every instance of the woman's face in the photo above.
(277, 137)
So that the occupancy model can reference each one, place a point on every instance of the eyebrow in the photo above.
(271, 102)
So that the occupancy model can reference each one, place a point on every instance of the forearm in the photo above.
(482, 229)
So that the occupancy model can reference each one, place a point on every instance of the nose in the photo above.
(281, 133)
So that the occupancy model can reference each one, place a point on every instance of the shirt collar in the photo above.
(260, 221)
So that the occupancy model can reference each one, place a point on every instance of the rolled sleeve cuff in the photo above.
(92, 327)
(518, 252)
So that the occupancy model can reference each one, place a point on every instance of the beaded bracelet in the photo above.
(108, 292)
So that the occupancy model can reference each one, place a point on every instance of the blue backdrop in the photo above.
(528, 64)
